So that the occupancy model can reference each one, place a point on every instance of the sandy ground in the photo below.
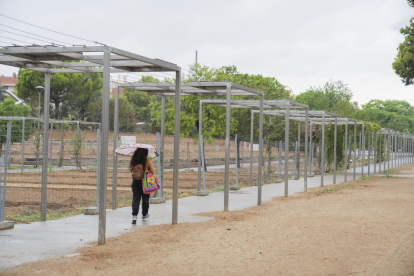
(356, 228)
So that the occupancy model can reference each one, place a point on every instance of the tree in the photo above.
(326, 97)
(393, 114)
(404, 63)
(76, 87)
(3, 94)
(8, 108)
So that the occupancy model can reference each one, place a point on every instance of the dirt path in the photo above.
(362, 228)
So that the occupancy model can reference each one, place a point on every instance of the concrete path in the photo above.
(55, 238)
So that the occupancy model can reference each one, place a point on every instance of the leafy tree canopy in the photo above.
(326, 97)
(404, 62)
(214, 116)
(76, 87)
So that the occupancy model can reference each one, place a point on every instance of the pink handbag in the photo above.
(150, 183)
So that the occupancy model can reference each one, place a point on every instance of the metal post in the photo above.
(389, 149)
(98, 166)
(363, 149)
(22, 161)
(161, 180)
(380, 156)
(335, 141)
(203, 160)
(295, 167)
(359, 149)
(310, 150)
(51, 142)
(104, 145)
(8, 142)
(323, 149)
(115, 157)
(305, 168)
(286, 174)
(45, 146)
(188, 155)
(375, 154)
(346, 152)
(279, 166)
(237, 162)
(355, 139)
(227, 157)
(259, 194)
(251, 148)
(369, 149)
(90, 159)
(200, 133)
(298, 163)
(176, 145)
(159, 160)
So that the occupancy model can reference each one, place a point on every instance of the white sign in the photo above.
(217, 148)
(127, 140)
(255, 147)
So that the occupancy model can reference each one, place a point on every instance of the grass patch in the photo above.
(389, 173)
(364, 178)
(217, 188)
(32, 216)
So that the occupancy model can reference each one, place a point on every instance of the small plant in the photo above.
(363, 178)
(389, 173)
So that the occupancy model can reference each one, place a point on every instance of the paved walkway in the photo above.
(55, 238)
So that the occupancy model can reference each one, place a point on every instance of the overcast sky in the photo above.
(301, 43)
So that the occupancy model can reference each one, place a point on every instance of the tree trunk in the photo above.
(57, 109)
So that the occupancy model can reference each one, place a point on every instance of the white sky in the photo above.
(301, 43)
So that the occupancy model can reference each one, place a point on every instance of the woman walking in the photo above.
(138, 165)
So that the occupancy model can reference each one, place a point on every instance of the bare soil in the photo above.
(357, 228)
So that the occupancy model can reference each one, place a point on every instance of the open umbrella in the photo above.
(129, 150)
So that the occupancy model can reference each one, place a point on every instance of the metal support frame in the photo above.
(176, 145)
(323, 149)
(259, 194)
(161, 191)
(7, 154)
(380, 155)
(369, 149)
(46, 99)
(115, 157)
(251, 148)
(286, 174)
(51, 142)
(335, 142)
(346, 152)
(363, 149)
(305, 170)
(237, 162)
(200, 127)
(375, 153)
(355, 139)
(104, 145)
(227, 153)
(22, 159)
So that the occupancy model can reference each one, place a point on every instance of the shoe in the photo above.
(134, 220)
(146, 216)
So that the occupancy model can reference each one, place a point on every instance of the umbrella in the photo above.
(129, 150)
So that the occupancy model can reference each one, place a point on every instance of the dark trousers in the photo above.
(137, 193)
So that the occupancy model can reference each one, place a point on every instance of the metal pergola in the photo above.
(267, 104)
(301, 116)
(51, 59)
(202, 88)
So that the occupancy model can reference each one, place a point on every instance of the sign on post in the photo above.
(255, 147)
(127, 140)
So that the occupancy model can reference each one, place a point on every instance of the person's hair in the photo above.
(140, 157)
